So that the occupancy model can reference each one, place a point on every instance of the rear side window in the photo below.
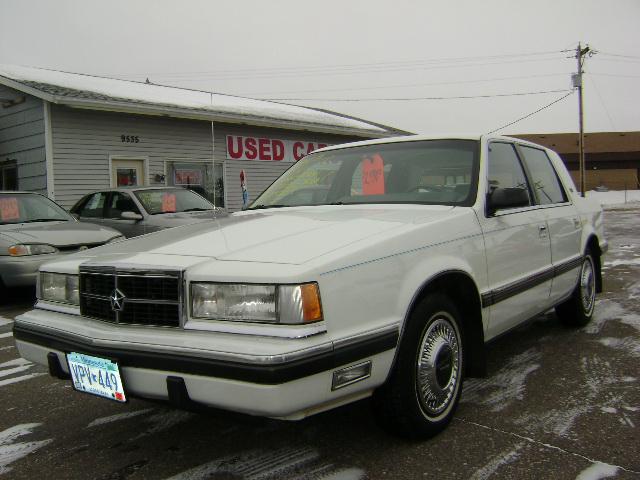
(546, 185)
(505, 170)
(120, 202)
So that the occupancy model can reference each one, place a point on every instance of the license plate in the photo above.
(97, 376)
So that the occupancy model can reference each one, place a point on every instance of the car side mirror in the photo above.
(513, 197)
(131, 216)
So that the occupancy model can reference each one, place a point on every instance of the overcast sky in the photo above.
(340, 49)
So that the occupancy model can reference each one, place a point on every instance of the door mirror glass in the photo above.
(501, 198)
(130, 216)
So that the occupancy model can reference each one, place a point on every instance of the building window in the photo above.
(8, 175)
(203, 178)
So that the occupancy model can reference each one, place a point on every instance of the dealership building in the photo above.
(65, 134)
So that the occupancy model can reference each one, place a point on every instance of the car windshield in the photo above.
(435, 172)
(26, 208)
(172, 200)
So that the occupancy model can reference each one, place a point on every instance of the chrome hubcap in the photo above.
(438, 368)
(587, 285)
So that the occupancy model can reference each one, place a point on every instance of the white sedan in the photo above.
(386, 280)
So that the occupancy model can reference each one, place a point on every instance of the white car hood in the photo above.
(288, 236)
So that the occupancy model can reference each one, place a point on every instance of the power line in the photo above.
(406, 85)
(532, 113)
(402, 99)
(347, 65)
(617, 55)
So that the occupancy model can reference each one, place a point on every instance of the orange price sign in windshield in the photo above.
(9, 209)
(168, 202)
(373, 175)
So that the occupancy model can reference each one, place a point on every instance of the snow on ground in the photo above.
(11, 451)
(12, 367)
(288, 462)
(6, 335)
(117, 417)
(598, 471)
(498, 461)
(5, 321)
(615, 197)
(506, 386)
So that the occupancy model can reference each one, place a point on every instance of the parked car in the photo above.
(136, 211)
(34, 230)
(387, 281)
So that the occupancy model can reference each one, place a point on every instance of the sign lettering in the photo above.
(168, 202)
(9, 209)
(268, 149)
(373, 175)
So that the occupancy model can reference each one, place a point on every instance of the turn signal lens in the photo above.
(311, 308)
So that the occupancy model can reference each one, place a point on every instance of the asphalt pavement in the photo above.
(558, 403)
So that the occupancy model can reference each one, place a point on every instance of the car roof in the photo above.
(417, 138)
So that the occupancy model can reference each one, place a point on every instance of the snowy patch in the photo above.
(12, 367)
(598, 471)
(164, 421)
(629, 344)
(496, 462)
(201, 101)
(609, 410)
(614, 197)
(118, 417)
(11, 451)
(5, 321)
(622, 261)
(505, 387)
(7, 348)
(6, 335)
(605, 310)
(279, 464)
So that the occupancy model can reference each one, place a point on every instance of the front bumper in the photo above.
(293, 383)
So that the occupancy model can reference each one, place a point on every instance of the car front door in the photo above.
(91, 210)
(517, 247)
(117, 203)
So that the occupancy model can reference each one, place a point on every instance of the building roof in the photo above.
(597, 142)
(100, 93)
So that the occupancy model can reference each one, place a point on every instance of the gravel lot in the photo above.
(558, 403)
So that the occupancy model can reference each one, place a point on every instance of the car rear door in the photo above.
(517, 246)
(565, 229)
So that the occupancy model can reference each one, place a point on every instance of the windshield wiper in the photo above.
(262, 207)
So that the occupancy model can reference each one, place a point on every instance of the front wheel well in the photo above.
(461, 289)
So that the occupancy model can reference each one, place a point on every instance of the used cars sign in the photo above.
(268, 149)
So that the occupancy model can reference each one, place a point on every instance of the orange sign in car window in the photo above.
(168, 202)
(9, 209)
(373, 175)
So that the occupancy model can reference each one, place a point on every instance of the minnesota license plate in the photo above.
(97, 376)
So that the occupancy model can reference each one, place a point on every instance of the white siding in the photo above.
(22, 139)
(84, 140)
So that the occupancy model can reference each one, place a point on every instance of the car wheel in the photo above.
(422, 392)
(578, 309)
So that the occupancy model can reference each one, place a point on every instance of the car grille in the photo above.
(144, 297)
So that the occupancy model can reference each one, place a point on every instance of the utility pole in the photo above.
(577, 82)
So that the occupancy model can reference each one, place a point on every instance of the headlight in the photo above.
(287, 304)
(116, 239)
(21, 250)
(59, 287)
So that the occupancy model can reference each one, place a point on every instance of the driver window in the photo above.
(93, 207)
(505, 170)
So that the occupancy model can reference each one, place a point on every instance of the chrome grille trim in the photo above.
(156, 295)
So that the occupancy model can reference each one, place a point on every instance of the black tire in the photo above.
(423, 389)
(577, 311)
